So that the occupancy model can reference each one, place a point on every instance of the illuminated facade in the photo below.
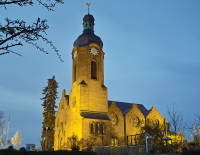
(86, 112)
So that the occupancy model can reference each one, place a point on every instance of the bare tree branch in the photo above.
(49, 5)
(11, 2)
(15, 32)
(176, 119)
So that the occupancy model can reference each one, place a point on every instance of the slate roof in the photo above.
(86, 38)
(125, 107)
(95, 116)
(88, 18)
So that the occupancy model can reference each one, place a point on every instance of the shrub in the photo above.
(10, 147)
(22, 149)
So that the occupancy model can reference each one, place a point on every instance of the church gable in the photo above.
(64, 102)
(154, 117)
(115, 115)
(113, 108)
(134, 110)
(135, 119)
(61, 121)
(116, 119)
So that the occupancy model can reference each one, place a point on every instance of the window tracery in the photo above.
(96, 128)
(113, 119)
(93, 70)
(135, 121)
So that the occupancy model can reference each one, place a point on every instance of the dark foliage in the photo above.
(157, 132)
(17, 32)
(49, 106)
(16, 152)
(10, 147)
(191, 152)
(75, 148)
(22, 149)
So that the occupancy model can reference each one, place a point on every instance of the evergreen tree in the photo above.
(49, 105)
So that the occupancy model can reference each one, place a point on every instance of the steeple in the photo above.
(88, 87)
(88, 36)
(88, 22)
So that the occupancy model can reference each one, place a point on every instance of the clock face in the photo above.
(75, 54)
(94, 51)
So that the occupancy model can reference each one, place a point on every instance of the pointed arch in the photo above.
(96, 128)
(101, 128)
(93, 69)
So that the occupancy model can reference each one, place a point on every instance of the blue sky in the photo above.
(152, 53)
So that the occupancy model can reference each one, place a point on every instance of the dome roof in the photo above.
(88, 36)
(88, 18)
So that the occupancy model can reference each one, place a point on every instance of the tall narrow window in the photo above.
(93, 70)
(74, 73)
(101, 128)
(92, 128)
(96, 128)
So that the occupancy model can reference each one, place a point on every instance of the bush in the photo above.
(75, 148)
(192, 151)
(22, 149)
(10, 147)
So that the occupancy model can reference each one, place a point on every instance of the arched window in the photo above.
(93, 70)
(74, 72)
(101, 128)
(92, 128)
(135, 121)
(96, 128)
(114, 142)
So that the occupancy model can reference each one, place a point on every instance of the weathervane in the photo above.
(88, 4)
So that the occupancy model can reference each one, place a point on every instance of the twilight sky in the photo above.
(152, 57)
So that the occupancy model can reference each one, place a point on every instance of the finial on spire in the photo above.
(88, 4)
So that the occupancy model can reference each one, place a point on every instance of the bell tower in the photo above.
(88, 92)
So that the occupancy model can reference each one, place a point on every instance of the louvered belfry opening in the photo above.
(93, 70)
(74, 73)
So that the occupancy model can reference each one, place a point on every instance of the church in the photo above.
(86, 114)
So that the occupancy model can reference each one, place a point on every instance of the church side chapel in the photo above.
(86, 117)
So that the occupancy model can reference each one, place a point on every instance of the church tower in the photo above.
(88, 90)
(84, 112)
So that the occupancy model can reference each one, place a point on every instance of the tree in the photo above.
(176, 128)
(2, 127)
(197, 120)
(157, 132)
(195, 129)
(2, 122)
(17, 139)
(196, 134)
(49, 105)
(17, 32)
(175, 120)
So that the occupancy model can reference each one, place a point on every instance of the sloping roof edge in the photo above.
(95, 116)
(125, 107)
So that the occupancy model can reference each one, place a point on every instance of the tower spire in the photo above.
(88, 4)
